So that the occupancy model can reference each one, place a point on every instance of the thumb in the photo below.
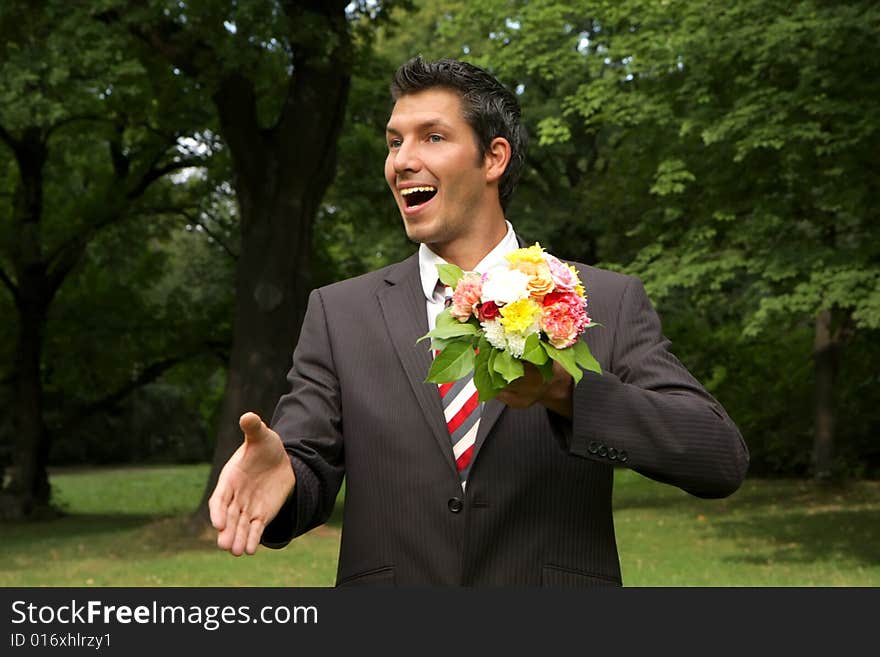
(253, 427)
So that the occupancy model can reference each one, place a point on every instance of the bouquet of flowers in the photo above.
(531, 309)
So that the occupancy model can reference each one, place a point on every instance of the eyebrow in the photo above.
(433, 123)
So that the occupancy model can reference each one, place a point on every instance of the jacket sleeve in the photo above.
(648, 413)
(308, 419)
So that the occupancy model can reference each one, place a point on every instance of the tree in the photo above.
(278, 76)
(84, 149)
(753, 130)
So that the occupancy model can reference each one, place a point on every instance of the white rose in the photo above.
(504, 285)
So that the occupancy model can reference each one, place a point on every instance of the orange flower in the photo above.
(540, 278)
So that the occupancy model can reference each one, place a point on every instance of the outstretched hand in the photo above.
(252, 487)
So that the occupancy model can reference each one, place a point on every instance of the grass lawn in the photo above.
(127, 527)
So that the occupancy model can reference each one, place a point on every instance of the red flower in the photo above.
(488, 311)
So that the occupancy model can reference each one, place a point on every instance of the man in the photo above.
(533, 505)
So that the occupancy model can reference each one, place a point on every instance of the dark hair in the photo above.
(487, 105)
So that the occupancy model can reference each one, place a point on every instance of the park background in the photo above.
(175, 177)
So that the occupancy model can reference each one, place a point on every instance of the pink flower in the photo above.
(564, 317)
(565, 278)
(466, 296)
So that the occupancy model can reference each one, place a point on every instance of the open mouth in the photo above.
(416, 196)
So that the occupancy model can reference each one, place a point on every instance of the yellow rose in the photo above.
(534, 253)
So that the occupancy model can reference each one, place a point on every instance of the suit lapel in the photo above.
(404, 312)
(491, 412)
(403, 308)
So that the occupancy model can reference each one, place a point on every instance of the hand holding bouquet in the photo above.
(530, 309)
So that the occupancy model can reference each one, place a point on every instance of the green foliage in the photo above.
(132, 294)
(722, 152)
(358, 227)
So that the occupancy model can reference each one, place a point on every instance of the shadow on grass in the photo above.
(70, 526)
(754, 495)
(141, 532)
(800, 537)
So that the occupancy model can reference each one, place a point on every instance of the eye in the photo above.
(394, 143)
(435, 139)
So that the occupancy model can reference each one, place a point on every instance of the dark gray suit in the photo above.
(538, 504)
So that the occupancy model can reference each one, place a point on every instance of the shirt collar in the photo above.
(428, 261)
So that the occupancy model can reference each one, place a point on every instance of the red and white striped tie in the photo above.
(462, 412)
(461, 409)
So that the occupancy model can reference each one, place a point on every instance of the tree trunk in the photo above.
(28, 488)
(825, 354)
(273, 282)
(281, 176)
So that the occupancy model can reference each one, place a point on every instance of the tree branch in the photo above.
(154, 173)
(73, 119)
(64, 258)
(146, 376)
(194, 219)
(161, 36)
(9, 283)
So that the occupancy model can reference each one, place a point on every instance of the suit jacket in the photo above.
(537, 510)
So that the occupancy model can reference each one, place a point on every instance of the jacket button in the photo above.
(612, 453)
(593, 447)
(602, 450)
(455, 504)
(621, 456)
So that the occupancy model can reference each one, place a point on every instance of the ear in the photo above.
(496, 159)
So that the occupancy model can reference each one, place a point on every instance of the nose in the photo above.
(406, 158)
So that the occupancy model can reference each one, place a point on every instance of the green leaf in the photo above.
(445, 318)
(534, 352)
(508, 366)
(584, 357)
(453, 330)
(451, 364)
(498, 381)
(566, 358)
(482, 375)
(447, 326)
(439, 344)
(449, 274)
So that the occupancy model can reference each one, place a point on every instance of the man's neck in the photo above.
(468, 253)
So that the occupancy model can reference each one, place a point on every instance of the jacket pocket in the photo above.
(381, 577)
(559, 576)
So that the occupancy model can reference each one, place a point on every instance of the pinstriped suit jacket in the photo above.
(537, 511)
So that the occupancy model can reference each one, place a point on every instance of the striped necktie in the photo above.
(461, 409)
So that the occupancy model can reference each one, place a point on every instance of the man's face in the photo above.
(434, 169)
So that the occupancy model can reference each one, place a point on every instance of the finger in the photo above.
(241, 534)
(218, 503)
(226, 538)
(254, 536)
(253, 427)
(512, 399)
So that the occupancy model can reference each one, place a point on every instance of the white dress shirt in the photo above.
(428, 261)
